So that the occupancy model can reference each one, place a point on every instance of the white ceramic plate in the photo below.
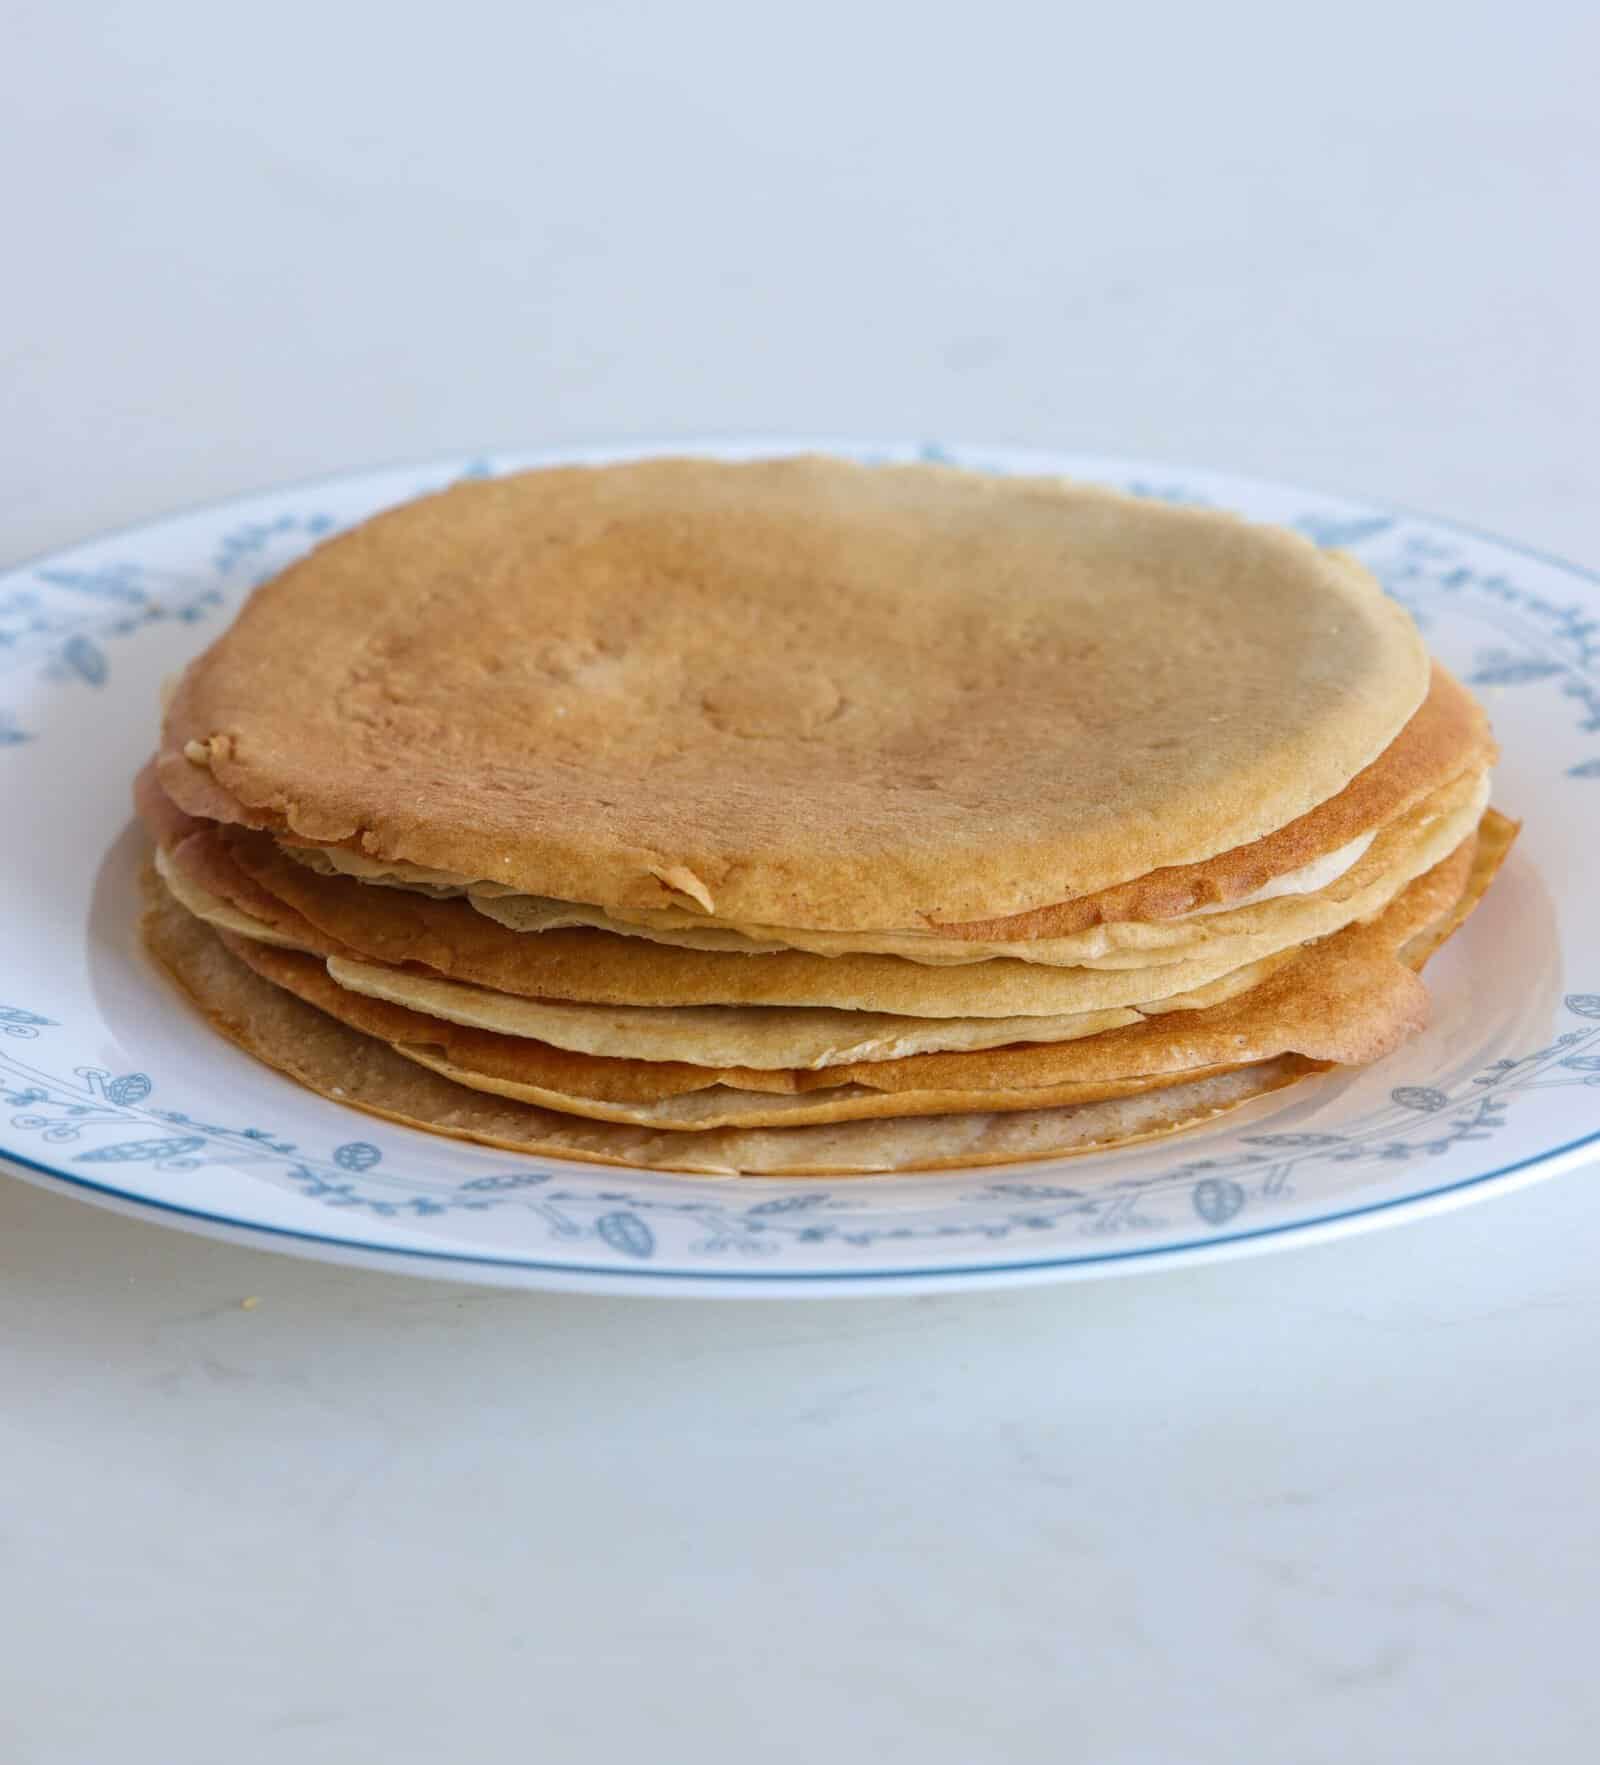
(110, 1088)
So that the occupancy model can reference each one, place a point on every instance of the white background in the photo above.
(1334, 1505)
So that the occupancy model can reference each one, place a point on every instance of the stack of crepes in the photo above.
(800, 816)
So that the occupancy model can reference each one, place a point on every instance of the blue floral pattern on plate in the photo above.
(1481, 1098)
(1419, 1122)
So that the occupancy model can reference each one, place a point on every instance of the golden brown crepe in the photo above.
(796, 692)
(351, 1068)
(356, 1071)
(800, 816)
(1351, 998)
(1448, 739)
(338, 916)
(1238, 933)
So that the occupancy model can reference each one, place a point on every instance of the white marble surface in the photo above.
(1333, 1505)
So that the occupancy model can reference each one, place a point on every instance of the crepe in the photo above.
(1417, 922)
(218, 912)
(774, 1038)
(1496, 835)
(338, 916)
(1447, 739)
(1351, 999)
(643, 1032)
(1235, 935)
(798, 815)
(796, 693)
(324, 1056)
(589, 966)
(595, 967)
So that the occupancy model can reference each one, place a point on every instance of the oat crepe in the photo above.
(279, 1028)
(1430, 911)
(754, 1036)
(1447, 739)
(1233, 934)
(336, 916)
(796, 692)
(323, 1055)
(595, 967)
(1351, 999)
(799, 816)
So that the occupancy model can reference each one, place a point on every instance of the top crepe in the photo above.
(795, 692)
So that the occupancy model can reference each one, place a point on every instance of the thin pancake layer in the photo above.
(769, 1037)
(335, 916)
(796, 692)
(1402, 850)
(651, 1029)
(216, 910)
(1351, 999)
(1497, 834)
(764, 1036)
(761, 1037)
(729, 1107)
(667, 1094)
(1446, 739)
(326, 1057)
(1356, 1004)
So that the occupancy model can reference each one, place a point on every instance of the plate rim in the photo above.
(574, 452)
(616, 1277)
(534, 1273)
